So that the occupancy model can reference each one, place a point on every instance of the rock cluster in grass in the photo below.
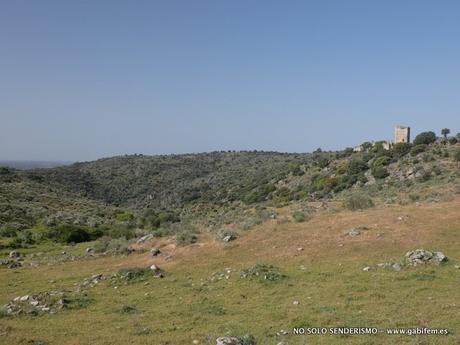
(226, 274)
(226, 235)
(422, 256)
(243, 340)
(43, 302)
(262, 272)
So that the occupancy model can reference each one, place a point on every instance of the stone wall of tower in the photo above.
(402, 134)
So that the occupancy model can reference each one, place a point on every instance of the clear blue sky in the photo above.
(81, 80)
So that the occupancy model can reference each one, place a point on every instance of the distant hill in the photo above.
(89, 192)
(25, 165)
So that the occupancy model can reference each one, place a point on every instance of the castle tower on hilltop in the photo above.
(402, 134)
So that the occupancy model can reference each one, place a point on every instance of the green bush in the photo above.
(300, 216)
(185, 237)
(452, 140)
(381, 161)
(118, 246)
(356, 166)
(7, 231)
(123, 216)
(135, 273)
(259, 194)
(358, 201)
(380, 172)
(401, 149)
(418, 149)
(121, 231)
(69, 233)
(425, 138)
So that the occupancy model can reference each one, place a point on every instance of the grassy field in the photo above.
(323, 268)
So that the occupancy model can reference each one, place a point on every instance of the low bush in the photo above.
(135, 273)
(263, 272)
(457, 156)
(380, 172)
(418, 149)
(358, 201)
(69, 233)
(118, 246)
(301, 216)
(184, 238)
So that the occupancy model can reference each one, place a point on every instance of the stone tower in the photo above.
(402, 134)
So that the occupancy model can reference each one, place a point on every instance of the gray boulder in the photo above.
(244, 340)
(422, 256)
(228, 341)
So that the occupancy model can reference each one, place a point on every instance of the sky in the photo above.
(81, 80)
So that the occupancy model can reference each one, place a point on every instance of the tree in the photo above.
(425, 138)
(445, 132)
(401, 149)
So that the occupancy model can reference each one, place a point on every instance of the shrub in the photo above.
(185, 237)
(457, 155)
(250, 222)
(259, 194)
(118, 246)
(380, 172)
(356, 166)
(381, 161)
(401, 149)
(263, 272)
(135, 273)
(69, 233)
(301, 216)
(418, 149)
(452, 140)
(425, 138)
(358, 201)
(7, 231)
(121, 231)
(124, 216)
(127, 309)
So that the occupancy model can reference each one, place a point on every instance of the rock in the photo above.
(396, 266)
(422, 256)
(14, 254)
(24, 298)
(228, 238)
(282, 343)
(144, 238)
(228, 341)
(155, 251)
(440, 257)
(244, 340)
(14, 264)
(89, 250)
(366, 269)
(296, 302)
(354, 232)
(157, 271)
(195, 342)
(299, 249)
(96, 278)
(457, 266)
